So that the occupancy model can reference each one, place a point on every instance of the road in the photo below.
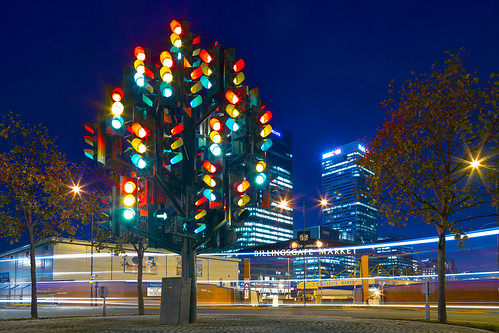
(471, 315)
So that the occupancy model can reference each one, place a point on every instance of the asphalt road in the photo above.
(473, 315)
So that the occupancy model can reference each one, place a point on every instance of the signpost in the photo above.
(103, 292)
(428, 289)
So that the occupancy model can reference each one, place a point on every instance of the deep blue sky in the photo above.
(323, 67)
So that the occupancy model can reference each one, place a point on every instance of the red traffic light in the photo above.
(176, 27)
(210, 167)
(215, 124)
(138, 130)
(238, 66)
(117, 95)
(265, 118)
(241, 187)
(139, 52)
(205, 56)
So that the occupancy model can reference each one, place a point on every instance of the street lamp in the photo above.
(475, 164)
(323, 203)
(77, 189)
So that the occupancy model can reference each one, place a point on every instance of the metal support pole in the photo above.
(189, 271)
(427, 305)
(92, 261)
(497, 221)
(289, 281)
(304, 263)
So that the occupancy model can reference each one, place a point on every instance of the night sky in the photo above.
(323, 67)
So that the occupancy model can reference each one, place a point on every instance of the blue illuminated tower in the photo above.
(344, 185)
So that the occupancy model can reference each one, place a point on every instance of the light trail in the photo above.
(419, 241)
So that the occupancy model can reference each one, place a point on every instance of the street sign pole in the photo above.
(427, 305)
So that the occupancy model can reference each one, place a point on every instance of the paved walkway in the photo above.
(218, 323)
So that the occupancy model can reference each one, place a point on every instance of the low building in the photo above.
(69, 267)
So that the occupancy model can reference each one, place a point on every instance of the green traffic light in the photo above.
(128, 214)
(260, 179)
(117, 122)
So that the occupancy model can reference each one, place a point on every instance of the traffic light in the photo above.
(259, 124)
(259, 175)
(172, 144)
(158, 224)
(142, 74)
(226, 237)
(142, 196)
(212, 183)
(115, 102)
(97, 140)
(128, 201)
(234, 77)
(212, 70)
(186, 226)
(240, 194)
(211, 178)
(235, 102)
(193, 84)
(261, 130)
(166, 75)
(110, 210)
(142, 143)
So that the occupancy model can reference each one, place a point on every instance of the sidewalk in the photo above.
(224, 323)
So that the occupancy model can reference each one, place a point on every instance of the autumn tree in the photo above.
(438, 123)
(35, 190)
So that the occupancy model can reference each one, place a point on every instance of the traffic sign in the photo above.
(161, 215)
(430, 288)
(103, 292)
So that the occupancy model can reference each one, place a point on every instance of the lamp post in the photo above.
(76, 189)
(475, 164)
(322, 202)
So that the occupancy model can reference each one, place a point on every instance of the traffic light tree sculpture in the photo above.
(187, 127)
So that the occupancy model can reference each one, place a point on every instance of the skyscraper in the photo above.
(272, 224)
(344, 186)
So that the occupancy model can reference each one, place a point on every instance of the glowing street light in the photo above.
(475, 164)
(77, 189)
(283, 204)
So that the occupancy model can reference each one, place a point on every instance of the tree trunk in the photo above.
(32, 259)
(140, 295)
(442, 308)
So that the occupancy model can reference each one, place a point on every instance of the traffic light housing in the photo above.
(142, 147)
(240, 194)
(128, 201)
(96, 138)
(115, 99)
(110, 211)
(226, 237)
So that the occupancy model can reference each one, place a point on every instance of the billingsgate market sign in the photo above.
(305, 252)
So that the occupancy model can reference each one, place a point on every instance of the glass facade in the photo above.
(273, 224)
(344, 185)
(394, 260)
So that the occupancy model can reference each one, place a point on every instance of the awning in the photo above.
(308, 285)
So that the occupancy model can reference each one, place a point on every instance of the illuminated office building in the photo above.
(273, 224)
(344, 185)
(394, 260)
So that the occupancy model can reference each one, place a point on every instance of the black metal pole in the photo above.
(497, 221)
(92, 261)
(304, 264)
